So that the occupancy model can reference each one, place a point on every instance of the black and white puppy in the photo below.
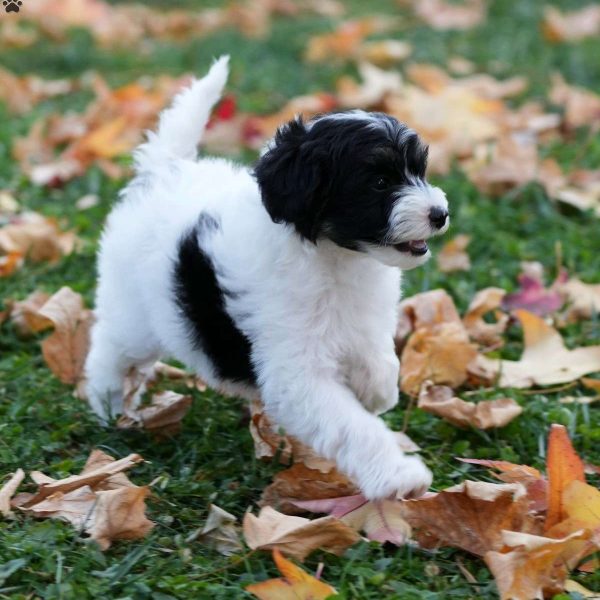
(284, 282)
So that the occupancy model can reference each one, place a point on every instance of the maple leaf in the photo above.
(25, 316)
(295, 584)
(582, 190)
(471, 516)
(532, 567)
(542, 342)
(583, 299)
(296, 536)
(440, 400)
(581, 106)
(65, 349)
(453, 255)
(101, 500)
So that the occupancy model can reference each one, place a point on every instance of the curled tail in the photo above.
(181, 126)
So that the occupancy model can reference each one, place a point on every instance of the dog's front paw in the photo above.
(400, 477)
(376, 383)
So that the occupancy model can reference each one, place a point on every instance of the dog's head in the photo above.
(357, 179)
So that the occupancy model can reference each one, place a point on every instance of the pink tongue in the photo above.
(417, 245)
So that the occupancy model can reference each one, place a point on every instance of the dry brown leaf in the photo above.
(480, 331)
(426, 309)
(513, 162)
(534, 567)
(471, 516)
(440, 353)
(545, 359)
(442, 15)
(581, 106)
(375, 87)
(91, 477)
(220, 532)
(163, 415)
(37, 237)
(7, 491)
(296, 536)
(74, 507)
(21, 94)
(345, 41)
(119, 514)
(99, 460)
(453, 256)
(25, 314)
(440, 400)
(385, 52)
(381, 521)
(65, 349)
(582, 191)
(302, 483)
(583, 299)
(571, 26)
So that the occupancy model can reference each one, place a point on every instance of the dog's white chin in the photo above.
(390, 256)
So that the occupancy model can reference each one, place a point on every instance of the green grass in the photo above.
(43, 427)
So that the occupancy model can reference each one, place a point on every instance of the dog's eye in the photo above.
(382, 183)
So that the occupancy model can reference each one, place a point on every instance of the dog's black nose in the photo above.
(438, 217)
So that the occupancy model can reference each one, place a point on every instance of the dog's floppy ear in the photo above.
(289, 176)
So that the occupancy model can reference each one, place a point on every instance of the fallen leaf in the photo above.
(563, 466)
(35, 236)
(470, 516)
(581, 106)
(479, 330)
(74, 507)
(533, 295)
(295, 584)
(442, 15)
(7, 491)
(440, 400)
(10, 263)
(583, 299)
(572, 26)
(545, 359)
(219, 532)
(385, 52)
(376, 85)
(25, 315)
(91, 477)
(534, 567)
(163, 415)
(582, 191)
(65, 349)
(573, 586)
(301, 483)
(453, 255)
(296, 536)
(581, 510)
(119, 515)
(441, 354)
(345, 41)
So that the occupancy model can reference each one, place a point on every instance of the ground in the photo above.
(43, 427)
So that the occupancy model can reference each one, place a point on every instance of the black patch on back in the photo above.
(202, 303)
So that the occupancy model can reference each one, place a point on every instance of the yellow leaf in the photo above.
(563, 466)
(295, 584)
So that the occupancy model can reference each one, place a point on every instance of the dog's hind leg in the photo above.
(108, 362)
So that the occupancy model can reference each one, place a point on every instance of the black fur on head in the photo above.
(339, 175)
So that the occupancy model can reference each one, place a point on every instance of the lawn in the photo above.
(43, 427)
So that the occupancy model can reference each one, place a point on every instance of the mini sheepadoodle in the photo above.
(282, 281)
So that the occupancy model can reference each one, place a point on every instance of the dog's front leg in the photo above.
(373, 377)
(326, 415)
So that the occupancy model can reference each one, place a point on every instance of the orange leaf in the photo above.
(295, 584)
(563, 466)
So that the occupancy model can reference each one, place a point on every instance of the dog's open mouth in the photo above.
(414, 247)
